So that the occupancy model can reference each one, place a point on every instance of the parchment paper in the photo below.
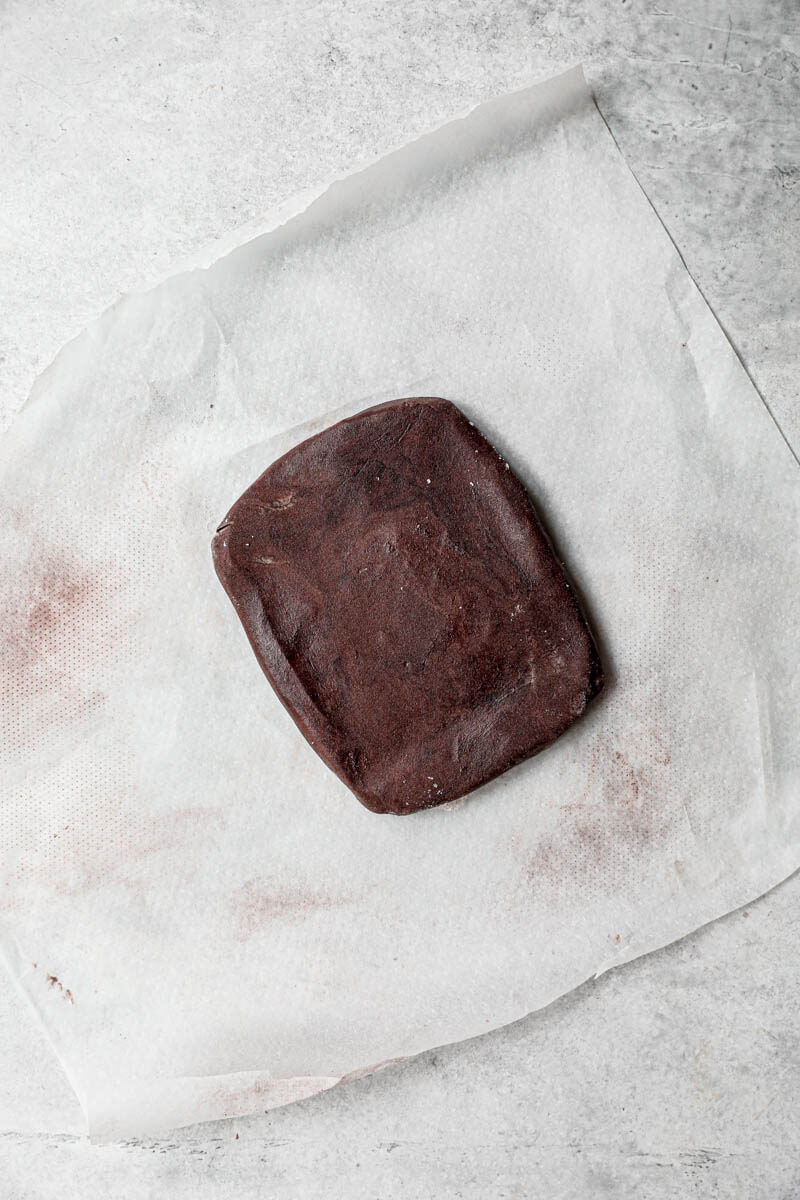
(204, 918)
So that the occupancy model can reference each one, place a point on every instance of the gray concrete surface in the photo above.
(132, 134)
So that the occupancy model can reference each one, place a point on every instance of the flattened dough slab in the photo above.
(404, 602)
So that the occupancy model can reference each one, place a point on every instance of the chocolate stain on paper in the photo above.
(256, 905)
(624, 808)
(56, 622)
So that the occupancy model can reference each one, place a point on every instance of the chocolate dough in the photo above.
(402, 599)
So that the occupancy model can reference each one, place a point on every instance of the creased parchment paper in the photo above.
(204, 918)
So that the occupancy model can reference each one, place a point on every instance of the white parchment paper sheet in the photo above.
(204, 918)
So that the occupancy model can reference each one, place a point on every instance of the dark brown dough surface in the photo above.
(401, 597)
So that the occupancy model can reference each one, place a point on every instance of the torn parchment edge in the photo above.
(556, 93)
(322, 205)
(167, 1100)
(208, 1097)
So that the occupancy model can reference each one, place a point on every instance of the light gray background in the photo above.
(135, 132)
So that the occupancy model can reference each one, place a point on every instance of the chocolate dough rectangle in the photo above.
(404, 602)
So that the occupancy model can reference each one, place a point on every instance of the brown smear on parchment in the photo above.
(110, 845)
(624, 808)
(62, 627)
(256, 905)
(54, 983)
(57, 622)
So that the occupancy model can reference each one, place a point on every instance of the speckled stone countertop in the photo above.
(133, 134)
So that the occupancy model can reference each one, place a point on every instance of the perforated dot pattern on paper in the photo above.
(172, 851)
